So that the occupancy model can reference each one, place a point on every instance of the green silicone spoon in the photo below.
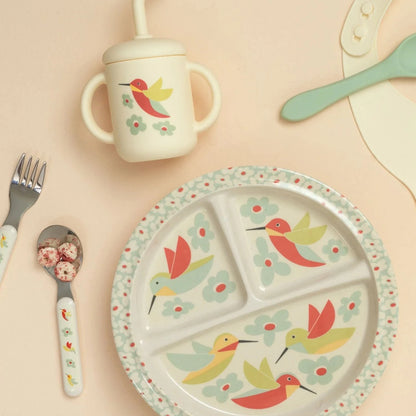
(400, 64)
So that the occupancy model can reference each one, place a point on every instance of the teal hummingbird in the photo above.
(182, 275)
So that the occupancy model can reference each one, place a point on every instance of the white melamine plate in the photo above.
(263, 255)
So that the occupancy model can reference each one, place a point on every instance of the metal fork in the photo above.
(25, 189)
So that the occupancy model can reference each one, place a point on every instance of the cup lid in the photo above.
(142, 48)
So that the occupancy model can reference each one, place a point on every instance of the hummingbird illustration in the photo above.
(68, 347)
(3, 242)
(320, 337)
(207, 363)
(268, 392)
(293, 244)
(71, 380)
(65, 314)
(182, 275)
(148, 98)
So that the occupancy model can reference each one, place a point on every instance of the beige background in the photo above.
(262, 52)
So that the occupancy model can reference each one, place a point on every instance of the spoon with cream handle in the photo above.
(401, 63)
(60, 254)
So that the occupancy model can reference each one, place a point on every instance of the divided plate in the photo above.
(263, 255)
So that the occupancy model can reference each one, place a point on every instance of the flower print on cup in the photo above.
(127, 100)
(269, 326)
(136, 124)
(258, 209)
(335, 249)
(218, 288)
(269, 263)
(165, 128)
(321, 370)
(350, 306)
(223, 387)
(176, 308)
(201, 233)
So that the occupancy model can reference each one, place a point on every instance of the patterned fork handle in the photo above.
(8, 235)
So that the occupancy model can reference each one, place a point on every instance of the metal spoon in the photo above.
(50, 237)
(401, 63)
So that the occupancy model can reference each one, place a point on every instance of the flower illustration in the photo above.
(66, 331)
(268, 326)
(350, 306)
(70, 363)
(165, 128)
(218, 288)
(127, 100)
(269, 263)
(136, 124)
(258, 209)
(223, 387)
(321, 371)
(201, 233)
(177, 308)
(335, 250)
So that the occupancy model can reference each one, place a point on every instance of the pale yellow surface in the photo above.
(262, 53)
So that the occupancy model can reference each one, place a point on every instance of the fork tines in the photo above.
(33, 181)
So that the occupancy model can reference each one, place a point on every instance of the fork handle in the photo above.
(8, 235)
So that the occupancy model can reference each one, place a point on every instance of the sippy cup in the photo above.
(150, 97)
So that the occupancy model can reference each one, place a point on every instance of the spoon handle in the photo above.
(309, 103)
(69, 346)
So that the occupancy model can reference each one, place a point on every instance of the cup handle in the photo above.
(216, 96)
(86, 109)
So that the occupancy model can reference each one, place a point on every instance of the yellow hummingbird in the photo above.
(207, 363)
(71, 380)
(3, 241)
(320, 337)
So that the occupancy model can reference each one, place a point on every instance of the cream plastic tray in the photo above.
(254, 291)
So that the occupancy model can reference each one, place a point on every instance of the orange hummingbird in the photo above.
(148, 98)
(292, 244)
(320, 337)
(268, 392)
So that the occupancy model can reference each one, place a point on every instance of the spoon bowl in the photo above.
(406, 55)
(60, 254)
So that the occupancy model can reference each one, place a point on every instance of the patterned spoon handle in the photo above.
(69, 346)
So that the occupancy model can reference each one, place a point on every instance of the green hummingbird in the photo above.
(182, 275)
(320, 337)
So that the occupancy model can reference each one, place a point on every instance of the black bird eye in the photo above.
(157, 282)
(277, 224)
(289, 378)
(225, 339)
(293, 336)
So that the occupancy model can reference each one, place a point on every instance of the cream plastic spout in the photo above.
(140, 21)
